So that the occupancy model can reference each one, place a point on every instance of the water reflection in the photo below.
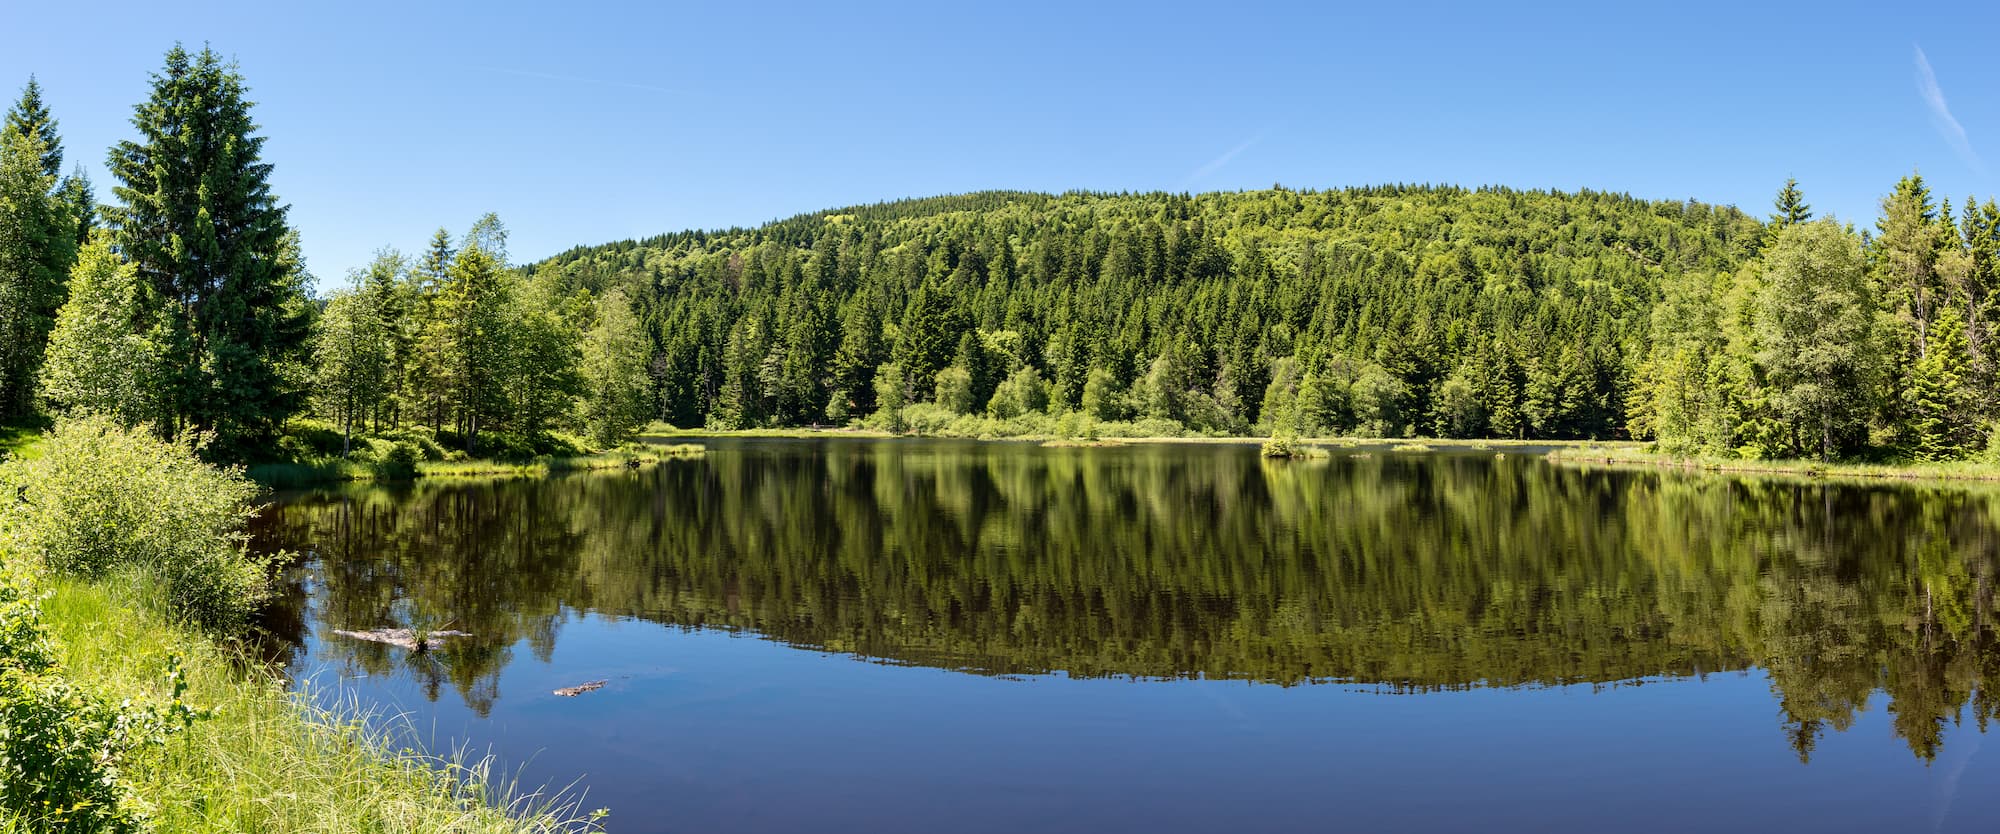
(1415, 572)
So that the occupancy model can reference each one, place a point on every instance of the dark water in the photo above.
(869, 636)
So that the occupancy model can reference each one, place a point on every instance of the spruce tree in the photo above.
(196, 217)
(1791, 206)
(31, 117)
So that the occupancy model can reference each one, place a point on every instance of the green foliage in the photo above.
(63, 747)
(616, 398)
(1814, 322)
(954, 390)
(102, 356)
(103, 498)
(1177, 308)
(352, 351)
(196, 217)
(38, 235)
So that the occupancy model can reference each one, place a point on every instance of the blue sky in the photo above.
(584, 123)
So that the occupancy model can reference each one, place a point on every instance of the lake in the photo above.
(908, 635)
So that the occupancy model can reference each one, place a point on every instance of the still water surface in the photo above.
(861, 635)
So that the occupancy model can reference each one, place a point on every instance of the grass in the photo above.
(294, 475)
(1634, 456)
(20, 441)
(269, 760)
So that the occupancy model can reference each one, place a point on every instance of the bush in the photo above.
(103, 498)
(61, 746)
(400, 462)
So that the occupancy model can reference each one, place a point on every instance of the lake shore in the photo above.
(666, 433)
(1642, 456)
(336, 470)
(264, 758)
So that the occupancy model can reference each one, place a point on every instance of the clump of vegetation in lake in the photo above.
(1290, 448)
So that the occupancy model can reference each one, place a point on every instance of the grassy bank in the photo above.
(335, 470)
(1645, 456)
(265, 759)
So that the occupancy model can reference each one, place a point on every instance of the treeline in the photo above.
(1389, 311)
(1832, 343)
(185, 305)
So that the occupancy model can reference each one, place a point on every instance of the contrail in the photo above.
(1947, 124)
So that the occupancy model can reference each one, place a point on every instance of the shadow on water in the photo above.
(1414, 572)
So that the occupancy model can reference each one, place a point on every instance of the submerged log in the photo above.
(402, 638)
(579, 689)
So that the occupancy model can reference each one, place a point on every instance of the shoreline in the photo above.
(1061, 441)
(1637, 457)
(280, 476)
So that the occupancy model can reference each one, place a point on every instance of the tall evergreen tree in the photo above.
(1791, 208)
(30, 116)
(196, 217)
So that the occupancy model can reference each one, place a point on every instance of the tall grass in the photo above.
(266, 759)
(1647, 456)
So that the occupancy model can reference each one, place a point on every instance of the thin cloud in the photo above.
(580, 80)
(1217, 163)
(1947, 124)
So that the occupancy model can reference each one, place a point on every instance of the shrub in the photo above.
(61, 746)
(400, 462)
(103, 498)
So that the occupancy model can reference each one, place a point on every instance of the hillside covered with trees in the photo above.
(1388, 311)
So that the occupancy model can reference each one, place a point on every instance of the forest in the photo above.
(1393, 311)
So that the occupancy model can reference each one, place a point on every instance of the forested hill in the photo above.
(1391, 310)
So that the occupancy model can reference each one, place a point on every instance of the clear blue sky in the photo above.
(584, 123)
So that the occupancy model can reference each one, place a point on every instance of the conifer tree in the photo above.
(1791, 210)
(1938, 402)
(196, 217)
(30, 116)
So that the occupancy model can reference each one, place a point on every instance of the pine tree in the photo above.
(30, 116)
(1939, 403)
(1791, 210)
(1905, 258)
(197, 218)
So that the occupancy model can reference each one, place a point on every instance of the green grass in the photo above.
(20, 441)
(295, 475)
(269, 760)
(1633, 456)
